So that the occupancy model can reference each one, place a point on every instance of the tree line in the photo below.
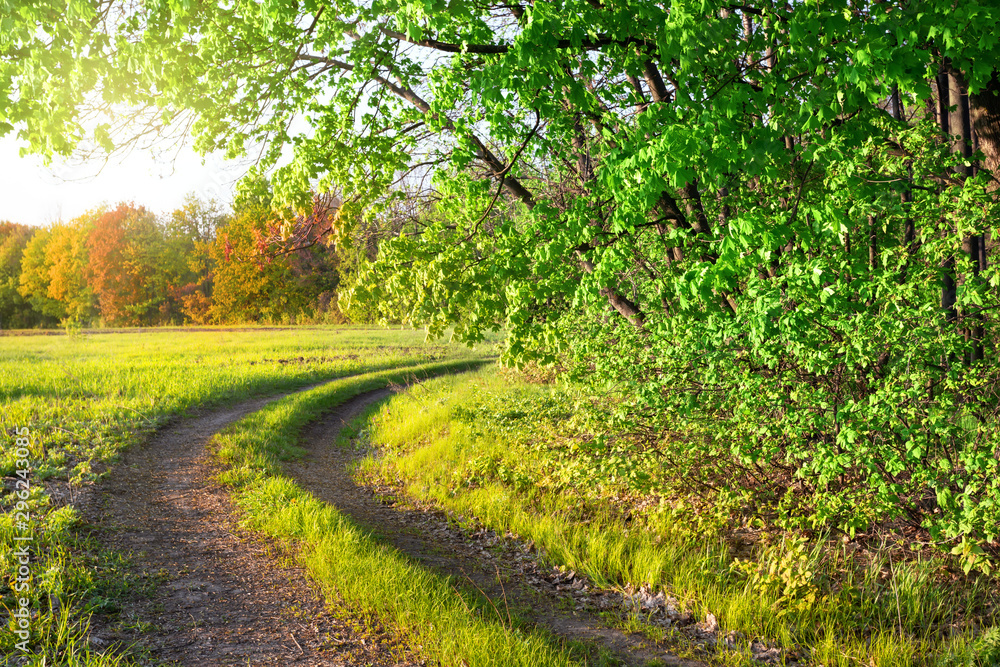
(125, 266)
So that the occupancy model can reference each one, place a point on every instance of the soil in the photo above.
(221, 596)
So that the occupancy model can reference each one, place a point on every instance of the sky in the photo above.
(31, 193)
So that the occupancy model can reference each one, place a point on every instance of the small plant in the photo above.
(788, 572)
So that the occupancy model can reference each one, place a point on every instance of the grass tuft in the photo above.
(535, 461)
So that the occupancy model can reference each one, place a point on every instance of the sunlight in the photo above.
(39, 195)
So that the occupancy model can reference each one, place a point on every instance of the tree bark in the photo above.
(948, 287)
(906, 197)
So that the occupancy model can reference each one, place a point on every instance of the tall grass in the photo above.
(523, 458)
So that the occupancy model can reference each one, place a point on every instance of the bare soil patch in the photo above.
(222, 596)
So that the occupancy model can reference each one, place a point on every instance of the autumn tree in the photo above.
(189, 233)
(53, 272)
(15, 311)
(125, 246)
(260, 278)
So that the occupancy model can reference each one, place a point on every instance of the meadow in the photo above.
(86, 398)
(540, 461)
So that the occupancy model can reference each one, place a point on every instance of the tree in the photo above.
(742, 214)
(52, 54)
(125, 248)
(260, 278)
(187, 261)
(514, 90)
(15, 311)
(53, 272)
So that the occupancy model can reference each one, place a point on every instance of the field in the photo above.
(84, 399)
(732, 271)
(388, 517)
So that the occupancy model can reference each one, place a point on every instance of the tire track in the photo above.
(428, 538)
(222, 596)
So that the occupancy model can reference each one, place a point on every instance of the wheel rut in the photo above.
(221, 595)
(481, 563)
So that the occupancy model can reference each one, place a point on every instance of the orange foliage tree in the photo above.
(125, 246)
(261, 276)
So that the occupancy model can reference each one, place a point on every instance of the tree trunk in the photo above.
(948, 287)
(970, 244)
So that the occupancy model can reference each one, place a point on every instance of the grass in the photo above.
(530, 459)
(86, 398)
(353, 566)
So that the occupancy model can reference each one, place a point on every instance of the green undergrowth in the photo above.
(356, 568)
(544, 462)
(85, 399)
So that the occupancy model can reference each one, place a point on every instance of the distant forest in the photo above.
(200, 264)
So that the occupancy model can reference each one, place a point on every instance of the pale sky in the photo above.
(33, 194)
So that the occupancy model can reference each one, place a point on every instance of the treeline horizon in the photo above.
(122, 265)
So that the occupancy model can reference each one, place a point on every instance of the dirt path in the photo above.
(222, 597)
(509, 576)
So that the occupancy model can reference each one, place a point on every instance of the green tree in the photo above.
(52, 55)
(745, 215)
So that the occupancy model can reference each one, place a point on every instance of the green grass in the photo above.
(531, 459)
(86, 398)
(354, 567)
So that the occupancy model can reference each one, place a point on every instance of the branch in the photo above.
(503, 172)
(495, 49)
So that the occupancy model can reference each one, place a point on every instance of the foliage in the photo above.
(15, 311)
(123, 246)
(760, 219)
(124, 266)
(53, 272)
(257, 279)
(764, 225)
(187, 261)
(50, 58)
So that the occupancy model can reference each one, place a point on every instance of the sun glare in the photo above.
(39, 194)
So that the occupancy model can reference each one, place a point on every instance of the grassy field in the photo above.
(541, 461)
(85, 398)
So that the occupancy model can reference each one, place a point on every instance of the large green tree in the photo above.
(773, 217)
